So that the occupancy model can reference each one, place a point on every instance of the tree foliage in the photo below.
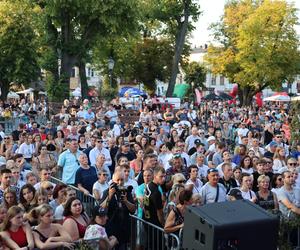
(18, 47)
(195, 75)
(258, 45)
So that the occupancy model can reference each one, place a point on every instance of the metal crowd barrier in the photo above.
(88, 201)
(151, 237)
(11, 124)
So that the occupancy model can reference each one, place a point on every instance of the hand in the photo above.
(114, 239)
(68, 245)
(86, 192)
(111, 192)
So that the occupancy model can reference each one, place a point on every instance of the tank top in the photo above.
(81, 228)
(267, 204)
(19, 237)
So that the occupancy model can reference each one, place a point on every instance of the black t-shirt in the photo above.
(255, 177)
(152, 202)
(231, 183)
(118, 223)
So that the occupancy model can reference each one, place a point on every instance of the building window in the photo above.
(222, 80)
(213, 79)
(90, 72)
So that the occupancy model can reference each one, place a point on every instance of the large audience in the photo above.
(152, 167)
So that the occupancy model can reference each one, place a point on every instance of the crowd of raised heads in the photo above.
(153, 167)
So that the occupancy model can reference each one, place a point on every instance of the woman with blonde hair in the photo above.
(279, 159)
(16, 234)
(266, 199)
(10, 197)
(48, 235)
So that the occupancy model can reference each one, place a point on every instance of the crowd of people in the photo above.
(153, 167)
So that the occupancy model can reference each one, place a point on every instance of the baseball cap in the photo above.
(211, 138)
(236, 193)
(99, 211)
(273, 144)
(197, 142)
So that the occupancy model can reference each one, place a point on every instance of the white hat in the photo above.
(211, 138)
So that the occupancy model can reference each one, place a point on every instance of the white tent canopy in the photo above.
(26, 91)
(12, 95)
(77, 92)
(295, 98)
(277, 98)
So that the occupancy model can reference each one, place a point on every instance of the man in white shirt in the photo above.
(242, 131)
(213, 191)
(190, 140)
(99, 149)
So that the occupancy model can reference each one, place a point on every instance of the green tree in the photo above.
(195, 75)
(259, 46)
(73, 28)
(18, 47)
(177, 16)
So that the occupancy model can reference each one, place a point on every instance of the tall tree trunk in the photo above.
(4, 90)
(246, 95)
(83, 79)
(67, 59)
(180, 39)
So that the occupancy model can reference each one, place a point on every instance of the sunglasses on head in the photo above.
(212, 170)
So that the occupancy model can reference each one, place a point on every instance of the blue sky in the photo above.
(212, 10)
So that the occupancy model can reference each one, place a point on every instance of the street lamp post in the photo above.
(111, 64)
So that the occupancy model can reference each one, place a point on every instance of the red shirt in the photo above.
(19, 237)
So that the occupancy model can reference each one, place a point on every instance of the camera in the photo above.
(121, 190)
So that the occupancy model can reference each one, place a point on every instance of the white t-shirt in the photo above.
(248, 195)
(27, 150)
(100, 187)
(196, 186)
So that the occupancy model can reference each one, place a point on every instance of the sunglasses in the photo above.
(49, 188)
(99, 141)
(104, 174)
(279, 179)
(177, 156)
(293, 164)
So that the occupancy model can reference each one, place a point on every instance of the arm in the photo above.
(71, 228)
(63, 235)
(82, 189)
(29, 236)
(131, 206)
(290, 206)
(169, 226)
(276, 205)
(8, 241)
(160, 216)
(47, 245)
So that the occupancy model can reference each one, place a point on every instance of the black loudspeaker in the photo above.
(228, 225)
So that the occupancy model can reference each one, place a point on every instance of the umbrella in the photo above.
(131, 91)
(225, 96)
(212, 97)
(12, 95)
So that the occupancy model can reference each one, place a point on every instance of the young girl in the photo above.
(27, 201)
(46, 234)
(10, 198)
(16, 234)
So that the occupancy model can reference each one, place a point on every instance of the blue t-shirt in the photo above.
(86, 177)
